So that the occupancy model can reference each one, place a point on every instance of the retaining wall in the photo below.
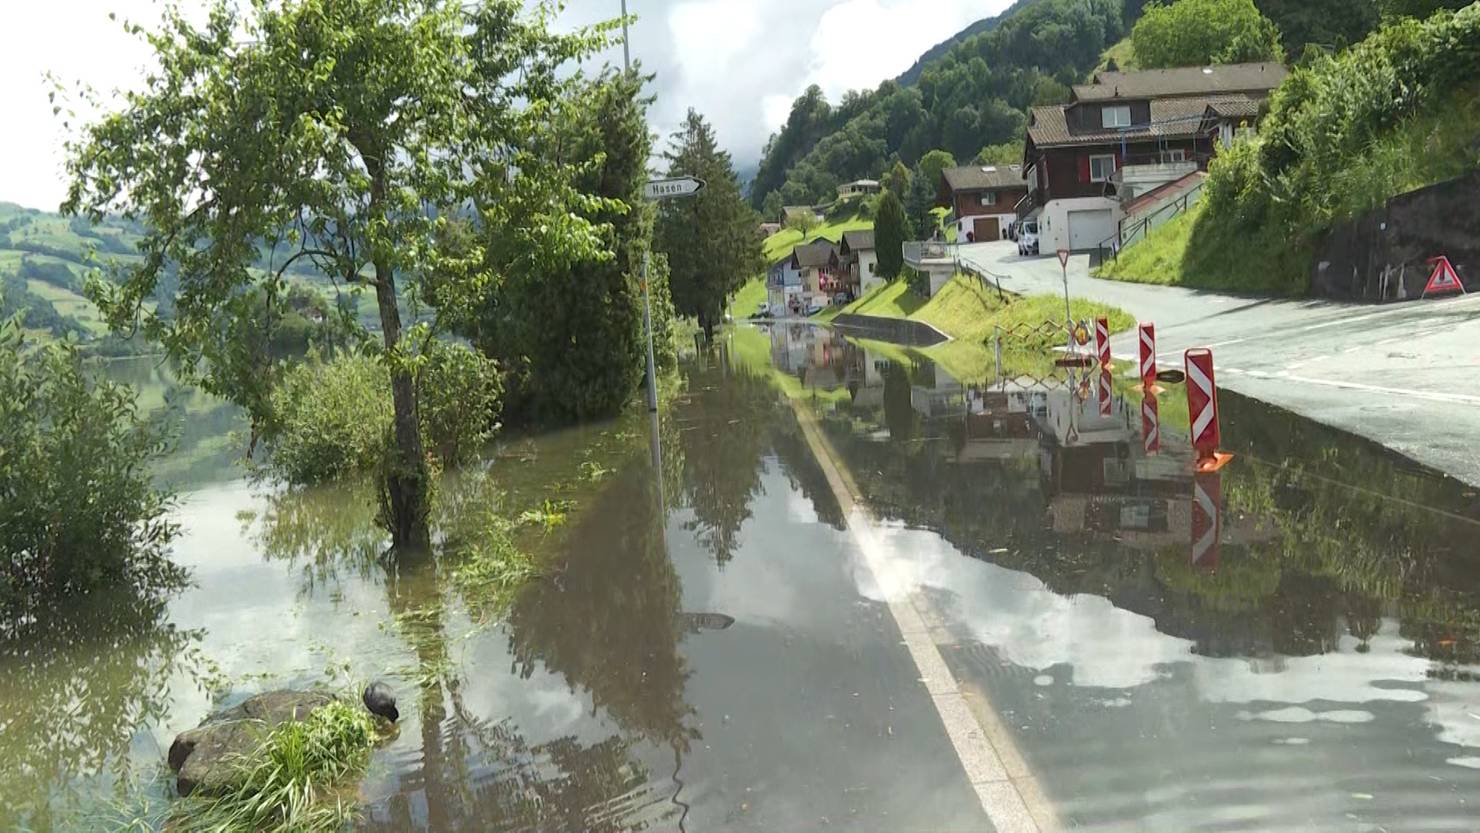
(1382, 255)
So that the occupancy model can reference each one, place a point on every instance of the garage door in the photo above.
(985, 229)
(1088, 229)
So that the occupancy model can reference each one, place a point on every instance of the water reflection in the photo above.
(1158, 639)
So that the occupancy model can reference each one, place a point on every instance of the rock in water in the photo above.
(380, 700)
(204, 757)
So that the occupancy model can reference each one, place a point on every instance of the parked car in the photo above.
(1028, 239)
(813, 309)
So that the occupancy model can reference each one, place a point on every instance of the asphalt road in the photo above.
(1404, 375)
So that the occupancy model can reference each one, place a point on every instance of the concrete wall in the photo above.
(892, 330)
(1382, 255)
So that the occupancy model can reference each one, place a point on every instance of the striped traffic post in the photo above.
(1202, 409)
(1102, 341)
(1151, 424)
(1148, 354)
(1106, 393)
(1207, 519)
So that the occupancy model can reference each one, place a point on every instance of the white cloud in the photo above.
(740, 64)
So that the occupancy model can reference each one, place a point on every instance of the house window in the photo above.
(1175, 155)
(989, 198)
(1101, 168)
(1115, 116)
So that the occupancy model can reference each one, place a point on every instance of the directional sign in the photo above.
(667, 189)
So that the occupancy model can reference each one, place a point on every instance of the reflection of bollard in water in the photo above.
(1207, 519)
(1151, 424)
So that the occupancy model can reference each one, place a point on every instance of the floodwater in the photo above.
(709, 651)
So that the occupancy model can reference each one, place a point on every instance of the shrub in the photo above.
(78, 509)
(294, 781)
(332, 418)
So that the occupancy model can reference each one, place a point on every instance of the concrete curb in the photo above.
(894, 330)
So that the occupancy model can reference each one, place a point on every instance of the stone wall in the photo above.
(893, 330)
(1383, 255)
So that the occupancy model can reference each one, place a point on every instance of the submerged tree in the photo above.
(347, 133)
(713, 241)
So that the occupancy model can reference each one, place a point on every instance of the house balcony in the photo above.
(1031, 203)
(1138, 176)
(922, 256)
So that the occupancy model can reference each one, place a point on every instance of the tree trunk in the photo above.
(406, 478)
(708, 325)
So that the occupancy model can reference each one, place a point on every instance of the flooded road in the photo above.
(710, 650)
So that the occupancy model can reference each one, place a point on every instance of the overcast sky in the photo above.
(740, 62)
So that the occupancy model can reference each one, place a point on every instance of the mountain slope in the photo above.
(974, 94)
(935, 53)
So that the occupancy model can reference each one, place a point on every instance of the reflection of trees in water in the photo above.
(900, 416)
(726, 422)
(476, 775)
(607, 620)
(76, 688)
(801, 468)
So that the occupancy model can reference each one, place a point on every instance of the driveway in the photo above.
(1403, 375)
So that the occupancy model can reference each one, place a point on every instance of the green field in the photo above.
(782, 242)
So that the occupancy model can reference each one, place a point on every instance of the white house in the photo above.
(859, 260)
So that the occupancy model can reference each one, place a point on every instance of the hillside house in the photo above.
(821, 272)
(982, 198)
(859, 261)
(859, 188)
(783, 286)
(1128, 133)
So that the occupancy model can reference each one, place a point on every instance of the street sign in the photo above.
(667, 189)
(1444, 279)
(1064, 258)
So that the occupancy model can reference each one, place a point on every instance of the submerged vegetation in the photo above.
(78, 509)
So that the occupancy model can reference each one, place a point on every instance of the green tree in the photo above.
(1327, 23)
(804, 221)
(772, 207)
(898, 178)
(713, 240)
(891, 230)
(1007, 153)
(347, 133)
(931, 165)
(1201, 32)
(571, 339)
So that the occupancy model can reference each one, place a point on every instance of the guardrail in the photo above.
(1134, 231)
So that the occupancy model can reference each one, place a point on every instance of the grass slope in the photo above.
(782, 242)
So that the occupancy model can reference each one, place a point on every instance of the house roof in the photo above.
(1235, 108)
(983, 177)
(858, 241)
(1182, 81)
(1171, 118)
(814, 254)
(866, 183)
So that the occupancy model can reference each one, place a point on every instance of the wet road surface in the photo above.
(749, 637)
(1404, 375)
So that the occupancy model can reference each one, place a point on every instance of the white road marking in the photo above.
(1007, 791)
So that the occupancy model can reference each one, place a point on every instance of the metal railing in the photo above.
(1133, 230)
(920, 251)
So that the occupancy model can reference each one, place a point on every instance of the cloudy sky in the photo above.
(740, 62)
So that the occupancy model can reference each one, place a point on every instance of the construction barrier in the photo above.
(1151, 424)
(1102, 341)
(1207, 519)
(1148, 354)
(1202, 409)
(1107, 392)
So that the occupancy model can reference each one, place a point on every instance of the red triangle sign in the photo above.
(1444, 279)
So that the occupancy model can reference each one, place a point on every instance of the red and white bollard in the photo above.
(1207, 519)
(1202, 410)
(1151, 424)
(1148, 354)
(1102, 341)
(1107, 392)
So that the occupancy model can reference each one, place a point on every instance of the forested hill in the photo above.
(986, 24)
(976, 94)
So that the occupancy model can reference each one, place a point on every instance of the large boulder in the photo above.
(204, 758)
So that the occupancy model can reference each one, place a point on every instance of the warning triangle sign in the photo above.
(1444, 279)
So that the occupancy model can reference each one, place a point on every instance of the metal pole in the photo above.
(1068, 316)
(626, 51)
(647, 304)
(647, 323)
